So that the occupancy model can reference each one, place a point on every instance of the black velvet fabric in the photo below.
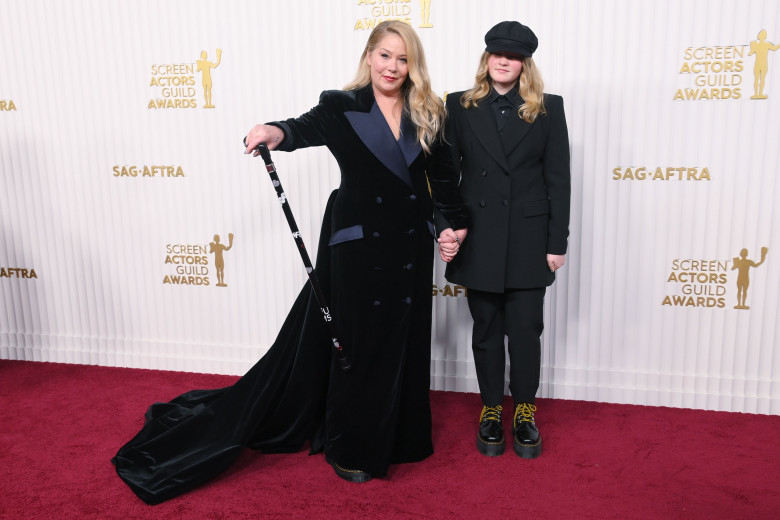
(276, 406)
(379, 413)
(378, 280)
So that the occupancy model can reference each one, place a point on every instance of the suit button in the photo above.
(375, 234)
(412, 197)
(506, 203)
(506, 173)
(379, 200)
(409, 267)
(482, 204)
(484, 173)
(407, 300)
(411, 232)
(377, 303)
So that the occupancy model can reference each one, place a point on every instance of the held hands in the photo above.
(555, 262)
(449, 242)
(268, 134)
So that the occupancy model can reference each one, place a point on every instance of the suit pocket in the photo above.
(346, 234)
(535, 208)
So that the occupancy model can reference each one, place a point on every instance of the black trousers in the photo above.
(519, 315)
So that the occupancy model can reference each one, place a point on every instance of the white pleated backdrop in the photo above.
(670, 183)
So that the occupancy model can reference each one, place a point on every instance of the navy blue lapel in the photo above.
(374, 132)
(409, 144)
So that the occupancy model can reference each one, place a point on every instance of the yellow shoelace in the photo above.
(491, 413)
(525, 412)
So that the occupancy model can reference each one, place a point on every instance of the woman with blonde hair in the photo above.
(375, 265)
(511, 143)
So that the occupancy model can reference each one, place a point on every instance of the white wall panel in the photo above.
(74, 98)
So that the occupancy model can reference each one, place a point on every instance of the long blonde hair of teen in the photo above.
(425, 108)
(530, 86)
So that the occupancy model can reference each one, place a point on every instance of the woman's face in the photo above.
(504, 69)
(388, 65)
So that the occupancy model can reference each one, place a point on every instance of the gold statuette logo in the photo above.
(743, 265)
(717, 72)
(219, 261)
(175, 83)
(188, 264)
(205, 66)
(425, 14)
(760, 48)
(705, 283)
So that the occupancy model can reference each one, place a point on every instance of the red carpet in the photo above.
(61, 424)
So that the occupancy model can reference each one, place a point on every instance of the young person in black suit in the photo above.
(511, 142)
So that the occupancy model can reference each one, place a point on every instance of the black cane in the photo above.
(338, 349)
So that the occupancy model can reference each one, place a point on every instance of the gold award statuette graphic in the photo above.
(204, 67)
(760, 48)
(425, 14)
(219, 261)
(743, 265)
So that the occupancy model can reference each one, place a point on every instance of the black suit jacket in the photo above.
(517, 190)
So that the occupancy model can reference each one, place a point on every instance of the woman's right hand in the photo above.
(270, 135)
(449, 243)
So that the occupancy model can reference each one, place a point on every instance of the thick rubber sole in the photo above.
(490, 449)
(528, 451)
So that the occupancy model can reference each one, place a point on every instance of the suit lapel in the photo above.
(483, 125)
(409, 144)
(372, 129)
(514, 131)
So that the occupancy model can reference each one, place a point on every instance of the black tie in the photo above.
(504, 110)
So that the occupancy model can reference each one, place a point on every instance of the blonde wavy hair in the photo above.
(423, 107)
(530, 87)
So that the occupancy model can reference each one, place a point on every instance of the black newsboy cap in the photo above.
(511, 37)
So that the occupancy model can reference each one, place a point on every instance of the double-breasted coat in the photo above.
(381, 251)
(375, 263)
(516, 186)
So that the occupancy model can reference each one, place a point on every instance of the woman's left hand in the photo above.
(555, 262)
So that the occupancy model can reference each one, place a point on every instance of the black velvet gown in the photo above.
(375, 264)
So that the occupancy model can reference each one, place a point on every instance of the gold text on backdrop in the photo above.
(17, 272)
